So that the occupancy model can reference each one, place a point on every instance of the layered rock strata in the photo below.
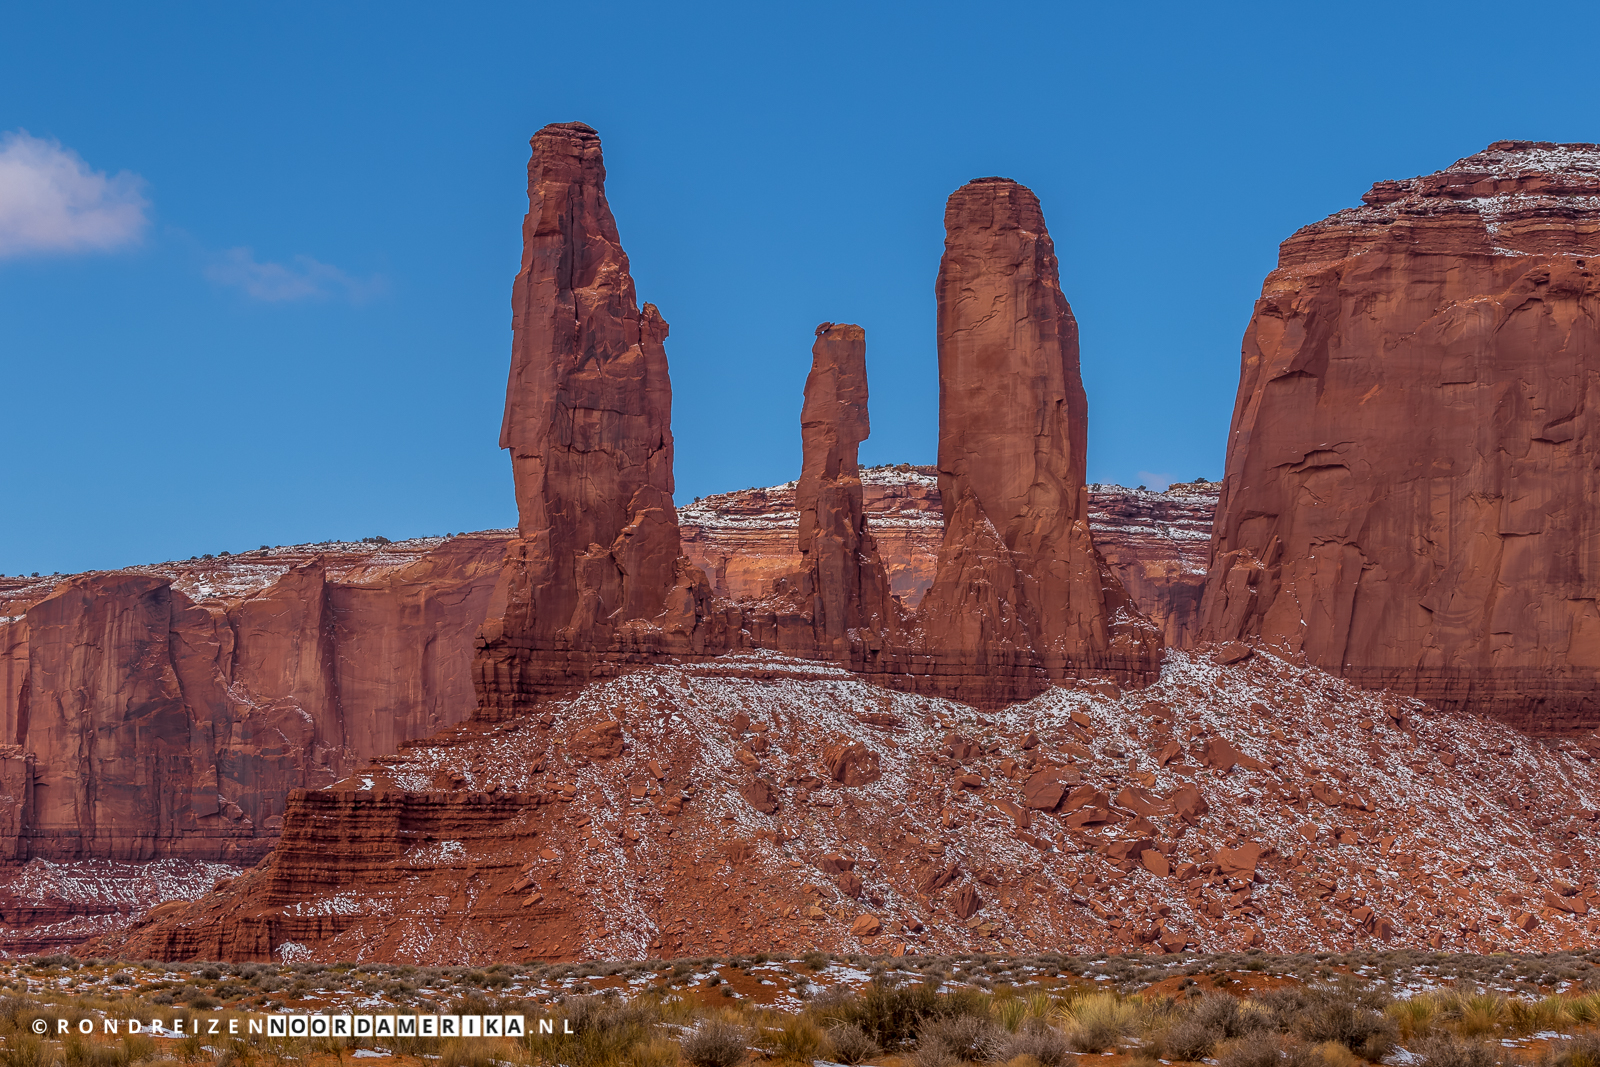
(1414, 449)
(746, 541)
(1020, 596)
(1158, 544)
(766, 803)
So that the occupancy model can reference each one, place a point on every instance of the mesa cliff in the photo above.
(167, 711)
(1412, 457)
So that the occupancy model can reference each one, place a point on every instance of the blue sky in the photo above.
(269, 301)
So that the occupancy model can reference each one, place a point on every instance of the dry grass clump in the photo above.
(1444, 1049)
(1098, 1021)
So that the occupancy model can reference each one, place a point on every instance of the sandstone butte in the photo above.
(597, 582)
(1409, 491)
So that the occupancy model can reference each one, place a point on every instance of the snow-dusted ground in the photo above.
(1380, 823)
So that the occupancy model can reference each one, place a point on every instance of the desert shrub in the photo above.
(1581, 1051)
(1189, 1039)
(796, 1039)
(1344, 1017)
(1443, 1049)
(1260, 1049)
(78, 1052)
(889, 1012)
(190, 1049)
(139, 1047)
(602, 1033)
(816, 961)
(964, 1038)
(1475, 1013)
(1038, 1041)
(851, 1045)
(1009, 1012)
(1533, 1016)
(1414, 1015)
(471, 1052)
(717, 1043)
(1210, 1019)
(1583, 1010)
(657, 1052)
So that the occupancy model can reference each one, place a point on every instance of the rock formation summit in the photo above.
(1019, 582)
(1412, 460)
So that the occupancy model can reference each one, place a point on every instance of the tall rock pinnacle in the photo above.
(1019, 578)
(595, 579)
(588, 408)
(848, 585)
(1409, 498)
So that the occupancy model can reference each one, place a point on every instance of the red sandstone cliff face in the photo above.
(746, 541)
(167, 711)
(1158, 544)
(1019, 583)
(1412, 458)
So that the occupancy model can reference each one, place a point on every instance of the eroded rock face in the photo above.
(588, 425)
(840, 577)
(1413, 452)
(167, 711)
(1159, 544)
(1020, 593)
(747, 541)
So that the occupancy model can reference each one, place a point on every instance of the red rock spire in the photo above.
(1018, 575)
(588, 409)
(842, 571)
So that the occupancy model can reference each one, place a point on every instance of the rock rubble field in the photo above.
(767, 804)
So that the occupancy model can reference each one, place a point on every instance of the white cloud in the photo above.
(50, 201)
(305, 278)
